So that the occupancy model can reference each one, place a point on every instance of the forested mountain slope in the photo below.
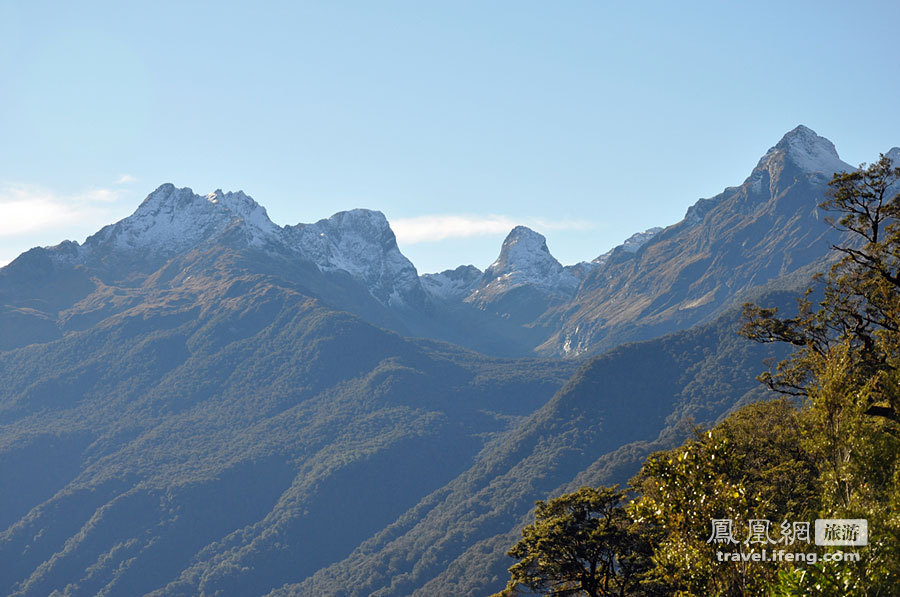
(230, 433)
(599, 427)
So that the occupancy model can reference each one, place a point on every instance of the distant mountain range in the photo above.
(526, 302)
(198, 401)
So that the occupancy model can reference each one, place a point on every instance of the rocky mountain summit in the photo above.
(525, 259)
(525, 279)
(360, 242)
(171, 221)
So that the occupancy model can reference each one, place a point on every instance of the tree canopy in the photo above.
(581, 542)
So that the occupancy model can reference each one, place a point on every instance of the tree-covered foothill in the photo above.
(833, 451)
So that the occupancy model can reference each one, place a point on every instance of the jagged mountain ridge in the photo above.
(349, 261)
(175, 220)
(656, 282)
(665, 279)
(631, 244)
(354, 248)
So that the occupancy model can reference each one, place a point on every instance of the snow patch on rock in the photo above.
(452, 283)
(173, 220)
(631, 245)
(361, 243)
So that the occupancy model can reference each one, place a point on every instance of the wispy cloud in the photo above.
(423, 229)
(435, 228)
(26, 209)
(126, 179)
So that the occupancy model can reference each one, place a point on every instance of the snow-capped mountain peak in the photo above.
(800, 151)
(808, 151)
(361, 243)
(525, 259)
(173, 219)
(252, 213)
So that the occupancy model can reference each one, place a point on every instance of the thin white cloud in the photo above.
(27, 209)
(126, 179)
(424, 229)
(435, 228)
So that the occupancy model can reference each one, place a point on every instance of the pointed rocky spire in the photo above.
(525, 259)
(808, 151)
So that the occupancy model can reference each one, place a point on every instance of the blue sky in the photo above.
(587, 121)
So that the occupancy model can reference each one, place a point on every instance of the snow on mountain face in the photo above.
(452, 283)
(808, 151)
(361, 243)
(810, 154)
(253, 214)
(525, 259)
(636, 241)
(171, 220)
(631, 244)
(581, 269)
(894, 156)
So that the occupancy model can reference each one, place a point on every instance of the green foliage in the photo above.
(581, 542)
(751, 466)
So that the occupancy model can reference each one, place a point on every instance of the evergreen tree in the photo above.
(581, 543)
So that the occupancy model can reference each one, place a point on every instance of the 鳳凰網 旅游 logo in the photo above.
(759, 540)
(827, 532)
